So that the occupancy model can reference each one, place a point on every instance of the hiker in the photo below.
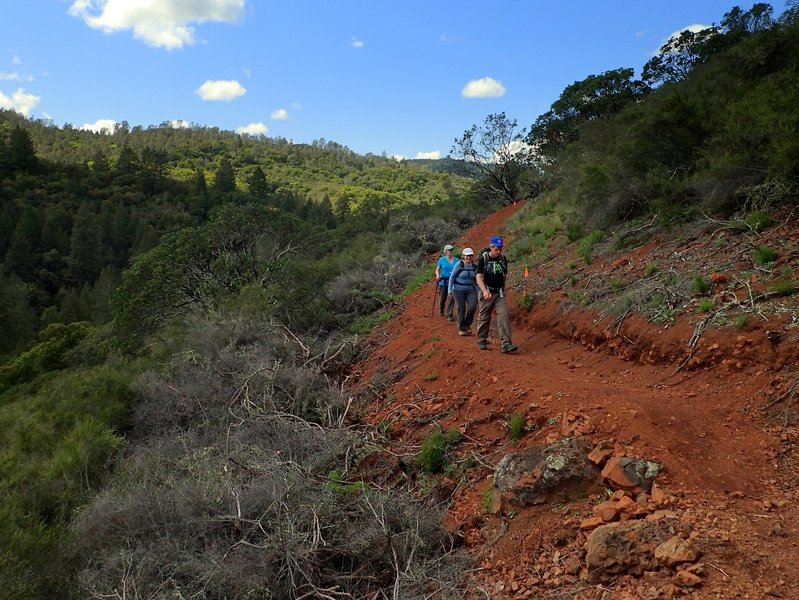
(492, 269)
(443, 270)
(463, 288)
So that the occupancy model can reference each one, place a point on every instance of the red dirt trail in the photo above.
(727, 470)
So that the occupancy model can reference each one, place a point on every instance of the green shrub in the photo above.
(756, 222)
(433, 450)
(706, 305)
(783, 287)
(586, 244)
(364, 325)
(700, 285)
(486, 502)
(59, 436)
(574, 232)
(664, 315)
(650, 269)
(419, 279)
(526, 302)
(765, 255)
(49, 354)
(336, 483)
(516, 426)
(617, 285)
(759, 220)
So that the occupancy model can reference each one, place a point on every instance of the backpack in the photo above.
(457, 270)
(503, 261)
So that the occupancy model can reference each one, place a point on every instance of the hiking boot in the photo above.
(509, 348)
(482, 345)
(462, 332)
(449, 317)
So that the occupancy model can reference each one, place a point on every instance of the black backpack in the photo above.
(503, 260)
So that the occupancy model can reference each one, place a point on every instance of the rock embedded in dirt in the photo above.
(541, 473)
(600, 454)
(676, 551)
(624, 548)
(631, 474)
(685, 579)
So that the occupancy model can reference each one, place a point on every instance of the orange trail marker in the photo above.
(526, 273)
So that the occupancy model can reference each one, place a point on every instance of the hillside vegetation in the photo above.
(181, 309)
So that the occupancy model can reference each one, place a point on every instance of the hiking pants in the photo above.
(467, 304)
(442, 303)
(484, 319)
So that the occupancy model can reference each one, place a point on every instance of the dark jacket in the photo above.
(493, 270)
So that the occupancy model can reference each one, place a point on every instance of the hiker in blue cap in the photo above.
(492, 268)
(443, 271)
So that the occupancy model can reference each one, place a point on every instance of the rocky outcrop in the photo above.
(542, 473)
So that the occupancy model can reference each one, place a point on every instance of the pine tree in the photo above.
(85, 255)
(21, 153)
(225, 180)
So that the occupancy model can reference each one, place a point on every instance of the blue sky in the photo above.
(405, 78)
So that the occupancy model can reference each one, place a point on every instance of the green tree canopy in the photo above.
(595, 97)
(198, 266)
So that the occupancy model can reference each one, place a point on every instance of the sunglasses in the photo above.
(469, 256)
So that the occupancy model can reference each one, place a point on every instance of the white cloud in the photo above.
(16, 60)
(483, 88)
(399, 157)
(356, 43)
(14, 76)
(100, 126)
(514, 147)
(281, 114)
(253, 129)
(179, 124)
(435, 154)
(225, 90)
(20, 101)
(159, 23)
(296, 106)
(695, 28)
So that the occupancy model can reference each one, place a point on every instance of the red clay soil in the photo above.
(718, 420)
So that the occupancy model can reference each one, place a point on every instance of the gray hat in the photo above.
(448, 247)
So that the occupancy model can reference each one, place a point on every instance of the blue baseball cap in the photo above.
(496, 241)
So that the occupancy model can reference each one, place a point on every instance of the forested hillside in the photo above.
(181, 309)
(77, 206)
(110, 239)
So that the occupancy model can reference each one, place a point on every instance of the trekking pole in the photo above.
(435, 294)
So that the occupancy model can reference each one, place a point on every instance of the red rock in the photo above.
(686, 579)
(675, 551)
(615, 473)
(599, 455)
(591, 523)
(572, 565)
(607, 511)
